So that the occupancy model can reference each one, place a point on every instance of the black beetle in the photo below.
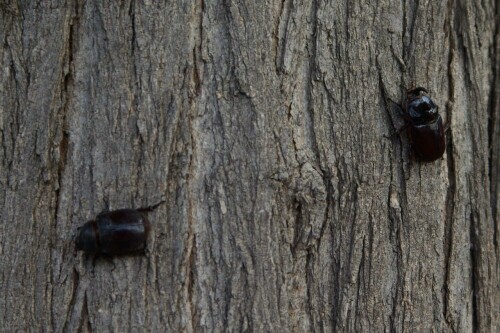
(117, 232)
(425, 125)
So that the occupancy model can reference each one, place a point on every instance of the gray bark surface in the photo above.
(262, 124)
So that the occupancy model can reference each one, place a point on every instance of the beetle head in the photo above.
(87, 238)
(420, 107)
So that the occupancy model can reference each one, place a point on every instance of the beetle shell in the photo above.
(113, 233)
(425, 126)
(428, 141)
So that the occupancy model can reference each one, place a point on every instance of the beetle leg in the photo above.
(94, 259)
(399, 109)
(395, 105)
(114, 265)
(109, 258)
(411, 160)
(403, 128)
(397, 132)
(105, 210)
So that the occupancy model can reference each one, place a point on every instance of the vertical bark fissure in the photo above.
(195, 86)
(309, 283)
(479, 212)
(494, 127)
(298, 229)
(402, 239)
(85, 316)
(133, 45)
(72, 303)
(359, 285)
(312, 46)
(397, 203)
(18, 91)
(59, 126)
(191, 281)
(448, 244)
(312, 43)
(197, 50)
(282, 34)
(189, 252)
(404, 25)
(394, 222)
(136, 88)
(327, 182)
(474, 257)
(277, 36)
(66, 94)
(335, 310)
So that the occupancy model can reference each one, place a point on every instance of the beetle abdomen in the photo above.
(118, 232)
(122, 231)
(428, 141)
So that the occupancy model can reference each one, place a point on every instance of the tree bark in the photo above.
(262, 124)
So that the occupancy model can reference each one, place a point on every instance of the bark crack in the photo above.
(450, 195)
(310, 80)
(474, 257)
(135, 87)
(276, 33)
(72, 303)
(281, 34)
(85, 316)
(494, 129)
(67, 92)
(190, 247)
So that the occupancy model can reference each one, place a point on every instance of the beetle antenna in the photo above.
(150, 208)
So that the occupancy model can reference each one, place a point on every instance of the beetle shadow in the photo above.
(394, 108)
(103, 257)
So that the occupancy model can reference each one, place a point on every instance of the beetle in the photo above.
(424, 124)
(117, 232)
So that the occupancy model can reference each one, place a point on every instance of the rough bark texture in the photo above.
(261, 123)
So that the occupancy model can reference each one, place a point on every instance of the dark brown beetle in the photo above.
(425, 125)
(117, 232)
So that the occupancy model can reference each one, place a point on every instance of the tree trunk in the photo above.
(262, 124)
